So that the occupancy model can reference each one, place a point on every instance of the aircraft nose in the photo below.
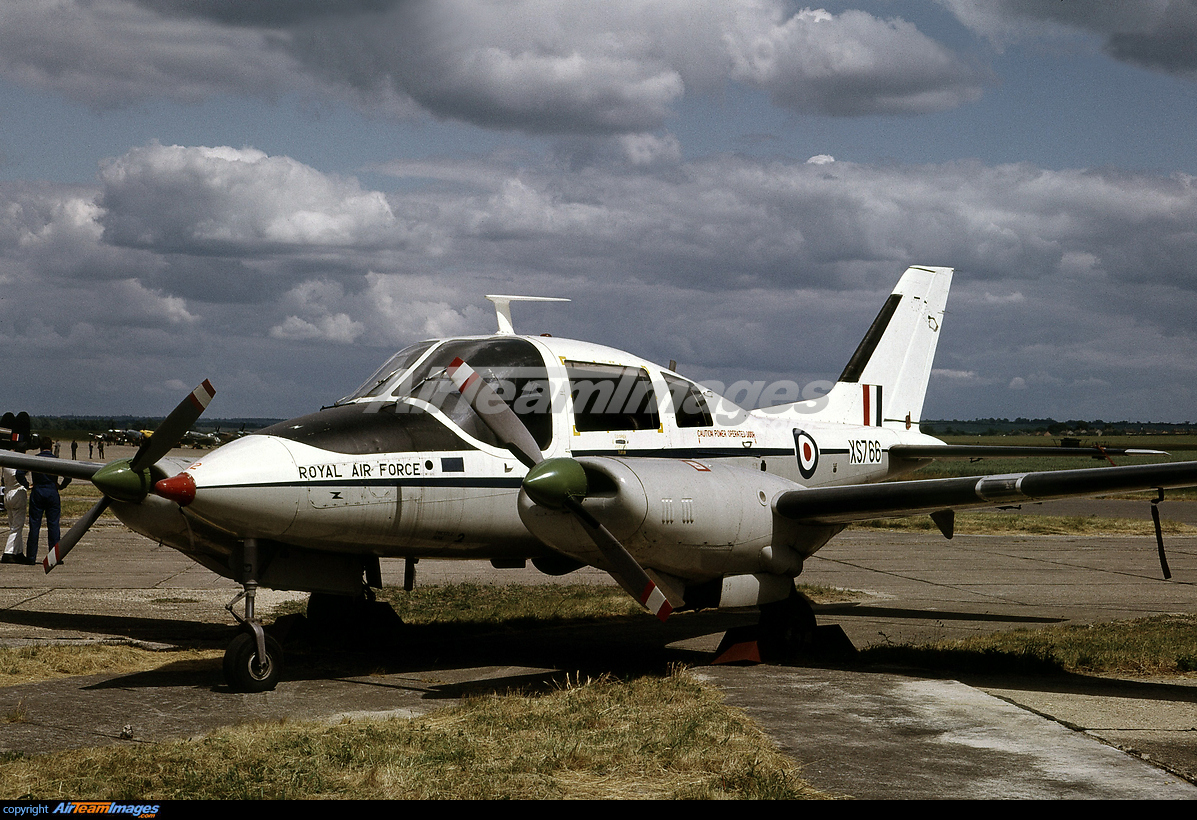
(179, 489)
(245, 487)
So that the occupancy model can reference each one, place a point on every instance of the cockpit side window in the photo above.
(611, 397)
(690, 409)
(515, 370)
(402, 360)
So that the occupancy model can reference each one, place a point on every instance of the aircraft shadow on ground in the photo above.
(867, 611)
(620, 646)
(134, 627)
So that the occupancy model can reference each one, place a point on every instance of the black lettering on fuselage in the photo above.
(864, 451)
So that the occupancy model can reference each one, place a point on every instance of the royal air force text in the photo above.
(361, 469)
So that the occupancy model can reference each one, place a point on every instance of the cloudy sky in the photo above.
(277, 195)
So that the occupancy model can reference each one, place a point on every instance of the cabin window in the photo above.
(690, 409)
(611, 397)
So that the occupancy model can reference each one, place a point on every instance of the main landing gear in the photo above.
(786, 627)
(786, 631)
(253, 661)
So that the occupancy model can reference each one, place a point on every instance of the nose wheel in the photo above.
(253, 661)
(250, 669)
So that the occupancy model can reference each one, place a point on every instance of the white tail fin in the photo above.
(885, 381)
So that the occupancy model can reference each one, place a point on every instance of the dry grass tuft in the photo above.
(25, 664)
(1160, 645)
(667, 738)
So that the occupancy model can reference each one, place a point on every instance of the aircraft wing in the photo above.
(861, 502)
(916, 451)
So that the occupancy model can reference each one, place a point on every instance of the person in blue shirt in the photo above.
(43, 499)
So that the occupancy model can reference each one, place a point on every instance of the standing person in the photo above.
(57, 445)
(90, 449)
(43, 499)
(74, 450)
(101, 449)
(14, 502)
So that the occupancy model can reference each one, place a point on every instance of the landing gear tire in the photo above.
(787, 627)
(244, 672)
(345, 621)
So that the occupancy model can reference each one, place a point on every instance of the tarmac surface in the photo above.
(858, 731)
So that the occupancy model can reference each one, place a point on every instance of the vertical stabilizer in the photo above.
(885, 381)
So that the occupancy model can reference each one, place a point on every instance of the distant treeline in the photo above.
(1051, 427)
(934, 427)
(98, 424)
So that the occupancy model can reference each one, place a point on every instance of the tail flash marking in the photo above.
(872, 405)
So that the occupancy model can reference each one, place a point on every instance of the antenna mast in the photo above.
(503, 309)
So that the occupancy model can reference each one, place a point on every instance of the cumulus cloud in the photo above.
(224, 199)
(1015, 298)
(108, 53)
(339, 328)
(850, 64)
(1154, 34)
(535, 66)
(733, 266)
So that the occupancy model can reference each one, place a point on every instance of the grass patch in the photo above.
(26, 664)
(1001, 523)
(79, 497)
(1160, 645)
(651, 737)
(516, 606)
(508, 604)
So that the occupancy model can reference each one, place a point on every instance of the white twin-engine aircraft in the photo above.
(514, 448)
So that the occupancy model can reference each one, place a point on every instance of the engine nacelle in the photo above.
(695, 519)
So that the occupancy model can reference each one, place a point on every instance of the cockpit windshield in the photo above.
(395, 365)
(514, 368)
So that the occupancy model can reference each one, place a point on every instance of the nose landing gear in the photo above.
(248, 668)
(253, 661)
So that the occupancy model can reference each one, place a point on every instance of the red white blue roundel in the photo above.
(807, 452)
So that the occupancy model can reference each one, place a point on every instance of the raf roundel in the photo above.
(807, 451)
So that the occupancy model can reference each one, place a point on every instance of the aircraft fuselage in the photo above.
(399, 470)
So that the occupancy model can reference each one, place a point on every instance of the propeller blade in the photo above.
(59, 551)
(83, 470)
(624, 568)
(495, 413)
(171, 431)
(125, 480)
(560, 483)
